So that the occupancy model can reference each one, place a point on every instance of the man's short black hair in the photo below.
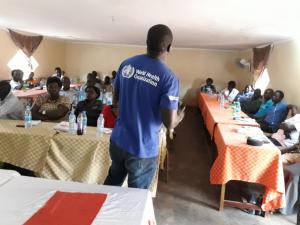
(270, 89)
(159, 40)
(54, 80)
(209, 80)
(280, 93)
(232, 84)
(58, 68)
(114, 74)
(4, 89)
(95, 89)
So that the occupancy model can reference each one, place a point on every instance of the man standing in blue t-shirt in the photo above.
(148, 94)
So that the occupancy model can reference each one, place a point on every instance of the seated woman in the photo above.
(246, 94)
(10, 106)
(91, 105)
(51, 107)
(208, 87)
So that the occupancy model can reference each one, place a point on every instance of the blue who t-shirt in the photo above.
(145, 85)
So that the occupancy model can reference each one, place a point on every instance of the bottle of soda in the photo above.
(27, 117)
(84, 118)
(80, 124)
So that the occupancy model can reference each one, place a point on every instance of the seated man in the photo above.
(252, 105)
(265, 106)
(208, 87)
(10, 106)
(17, 80)
(31, 82)
(92, 80)
(67, 91)
(91, 105)
(231, 92)
(58, 73)
(287, 136)
(51, 107)
(275, 115)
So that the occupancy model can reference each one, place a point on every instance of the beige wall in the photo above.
(284, 70)
(51, 53)
(192, 66)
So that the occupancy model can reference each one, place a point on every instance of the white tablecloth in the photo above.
(6, 176)
(22, 196)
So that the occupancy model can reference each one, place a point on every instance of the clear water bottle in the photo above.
(236, 110)
(80, 124)
(27, 117)
(208, 91)
(222, 101)
(109, 98)
(84, 118)
(72, 122)
(104, 99)
(100, 124)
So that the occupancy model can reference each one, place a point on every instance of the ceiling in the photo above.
(211, 24)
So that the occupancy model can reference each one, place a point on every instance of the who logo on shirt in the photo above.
(128, 71)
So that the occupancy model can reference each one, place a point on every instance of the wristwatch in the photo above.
(44, 112)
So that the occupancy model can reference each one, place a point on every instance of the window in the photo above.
(263, 81)
(22, 62)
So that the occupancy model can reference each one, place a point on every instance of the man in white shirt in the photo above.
(67, 91)
(58, 73)
(230, 92)
(10, 106)
(17, 80)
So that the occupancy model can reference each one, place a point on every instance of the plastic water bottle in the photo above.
(100, 124)
(208, 91)
(27, 117)
(236, 110)
(222, 101)
(72, 122)
(84, 118)
(109, 98)
(80, 124)
(104, 99)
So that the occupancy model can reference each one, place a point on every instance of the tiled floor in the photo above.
(188, 198)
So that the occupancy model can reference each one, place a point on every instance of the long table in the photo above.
(22, 196)
(213, 114)
(238, 161)
(55, 155)
(31, 93)
(58, 155)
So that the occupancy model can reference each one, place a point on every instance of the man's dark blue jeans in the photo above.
(140, 170)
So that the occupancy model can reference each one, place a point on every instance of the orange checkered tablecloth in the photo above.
(238, 161)
(213, 114)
